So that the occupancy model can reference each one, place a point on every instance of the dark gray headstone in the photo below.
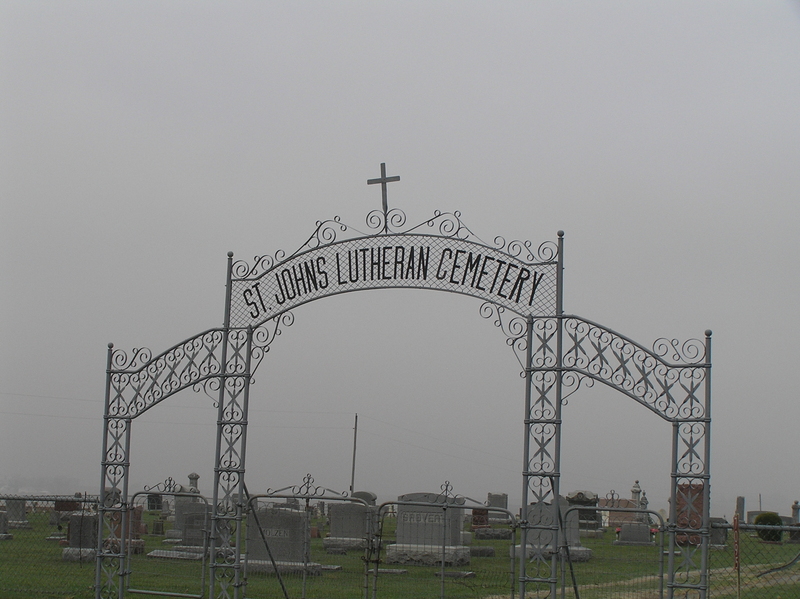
(497, 500)
(543, 514)
(634, 533)
(492, 533)
(719, 533)
(154, 502)
(158, 528)
(284, 531)
(195, 529)
(17, 513)
(588, 519)
(82, 532)
(186, 507)
(349, 520)
(4, 535)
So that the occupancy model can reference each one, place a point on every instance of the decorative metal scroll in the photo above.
(672, 380)
(514, 275)
(668, 379)
(306, 490)
(139, 380)
(168, 486)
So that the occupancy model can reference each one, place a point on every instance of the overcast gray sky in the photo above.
(142, 141)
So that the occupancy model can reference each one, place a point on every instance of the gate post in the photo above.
(113, 506)
(689, 522)
(523, 519)
(542, 471)
(225, 576)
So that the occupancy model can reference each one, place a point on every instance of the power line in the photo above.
(51, 397)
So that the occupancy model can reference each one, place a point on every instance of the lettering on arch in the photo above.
(396, 261)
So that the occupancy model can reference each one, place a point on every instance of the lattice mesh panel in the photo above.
(396, 261)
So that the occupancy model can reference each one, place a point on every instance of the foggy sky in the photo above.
(142, 141)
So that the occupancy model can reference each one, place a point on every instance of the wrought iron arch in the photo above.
(521, 288)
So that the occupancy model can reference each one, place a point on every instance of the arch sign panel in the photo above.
(406, 260)
(520, 288)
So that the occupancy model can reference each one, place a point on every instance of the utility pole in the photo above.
(353, 471)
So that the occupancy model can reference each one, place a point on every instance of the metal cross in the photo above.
(383, 181)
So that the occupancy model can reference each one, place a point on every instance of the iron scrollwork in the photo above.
(307, 490)
(167, 486)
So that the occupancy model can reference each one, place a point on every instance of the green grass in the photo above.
(31, 567)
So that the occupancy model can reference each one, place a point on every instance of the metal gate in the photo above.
(288, 554)
(430, 545)
(626, 558)
(168, 555)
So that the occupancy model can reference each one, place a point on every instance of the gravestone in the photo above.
(195, 528)
(589, 520)
(540, 542)
(61, 511)
(136, 528)
(187, 501)
(136, 524)
(719, 532)
(740, 508)
(426, 532)
(480, 518)
(492, 534)
(4, 534)
(67, 505)
(17, 514)
(796, 512)
(350, 526)
(634, 533)
(366, 496)
(752, 515)
(434, 525)
(158, 528)
(282, 533)
(82, 530)
(188, 511)
(191, 527)
(82, 538)
(500, 501)
(154, 502)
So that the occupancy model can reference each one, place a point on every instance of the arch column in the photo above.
(229, 498)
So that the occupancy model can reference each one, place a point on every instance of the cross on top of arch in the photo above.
(383, 180)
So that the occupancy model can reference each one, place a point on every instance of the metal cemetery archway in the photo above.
(521, 289)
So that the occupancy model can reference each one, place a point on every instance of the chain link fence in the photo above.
(47, 546)
(349, 549)
(755, 562)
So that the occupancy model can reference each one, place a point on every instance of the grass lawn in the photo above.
(32, 567)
